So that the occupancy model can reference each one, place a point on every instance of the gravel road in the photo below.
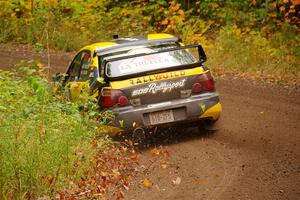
(254, 155)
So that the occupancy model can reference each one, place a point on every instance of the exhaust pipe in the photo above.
(139, 134)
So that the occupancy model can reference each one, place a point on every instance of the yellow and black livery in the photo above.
(146, 81)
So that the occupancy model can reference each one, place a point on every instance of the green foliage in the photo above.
(38, 47)
(40, 137)
(69, 25)
(275, 58)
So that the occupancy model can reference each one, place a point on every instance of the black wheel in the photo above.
(208, 125)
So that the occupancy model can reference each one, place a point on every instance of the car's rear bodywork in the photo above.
(149, 81)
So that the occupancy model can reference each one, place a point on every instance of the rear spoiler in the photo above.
(112, 49)
(202, 55)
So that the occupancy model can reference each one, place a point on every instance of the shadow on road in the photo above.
(165, 136)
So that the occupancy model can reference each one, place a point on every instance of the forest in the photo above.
(46, 154)
(257, 37)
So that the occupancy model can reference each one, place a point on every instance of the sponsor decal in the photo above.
(133, 65)
(156, 77)
(163, 87)
(203, 107)
(121, 122)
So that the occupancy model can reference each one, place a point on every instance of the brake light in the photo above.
(203, 82)
(110, 98)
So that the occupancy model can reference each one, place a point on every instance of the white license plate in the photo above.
(161, 117)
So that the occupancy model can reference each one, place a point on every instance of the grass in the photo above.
(40, 137)
(275, 59)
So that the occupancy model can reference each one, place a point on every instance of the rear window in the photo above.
(146, 63)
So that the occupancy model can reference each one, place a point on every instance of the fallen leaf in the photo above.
(121, 195)
(71, 198)
(163, 166)
(40, 65)
(157, 187)
(166, 152)
(154, 152)
(104, 174)
(177, 181)
(124, 149)
(147, 182)
(133, 157)
(125, 187)
(116, 173)
(61, 194)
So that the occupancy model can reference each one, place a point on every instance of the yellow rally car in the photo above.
(146, 81)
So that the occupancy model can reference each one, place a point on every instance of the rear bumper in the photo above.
(194, 108)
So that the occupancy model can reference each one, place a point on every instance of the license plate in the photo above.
(161, 117)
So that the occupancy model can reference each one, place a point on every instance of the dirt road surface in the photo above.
(254, 155)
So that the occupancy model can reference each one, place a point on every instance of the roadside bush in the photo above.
(40, 137)
(244, 51)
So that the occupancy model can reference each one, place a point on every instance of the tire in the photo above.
(208, 125)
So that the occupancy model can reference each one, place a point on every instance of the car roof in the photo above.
(127, 42)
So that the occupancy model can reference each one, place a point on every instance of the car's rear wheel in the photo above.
(208, 125)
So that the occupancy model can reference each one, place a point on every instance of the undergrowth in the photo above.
(41, 137)
(275, 59)
(254, 37)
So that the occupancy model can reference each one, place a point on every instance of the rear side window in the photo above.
(79, 68)
(74, 70)
(85, 66)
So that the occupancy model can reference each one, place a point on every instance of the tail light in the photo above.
(110, 98)
(203, 82)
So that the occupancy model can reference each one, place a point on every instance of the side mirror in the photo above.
(58, 77)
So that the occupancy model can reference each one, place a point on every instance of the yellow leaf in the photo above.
(147, 182)
(116, 173)
(247, 30)
(52, 3)
(40, 65)
(238, 31)
(181, 12)
(214, 6)
(124, 12)
(282, 8)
